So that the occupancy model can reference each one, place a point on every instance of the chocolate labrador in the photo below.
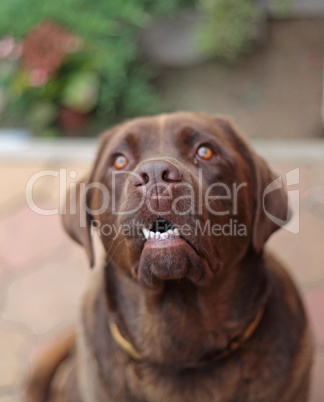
(188, 306)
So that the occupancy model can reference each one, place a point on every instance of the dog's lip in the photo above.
(171, 238)
(166, 243)
(170, 246)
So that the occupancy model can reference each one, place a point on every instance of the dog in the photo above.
(188, 306)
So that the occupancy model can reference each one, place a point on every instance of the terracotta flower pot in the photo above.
(72, 122)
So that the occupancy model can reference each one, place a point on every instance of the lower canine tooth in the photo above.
(146, 233)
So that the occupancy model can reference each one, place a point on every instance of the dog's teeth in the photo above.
(146, 233)
(170, 234)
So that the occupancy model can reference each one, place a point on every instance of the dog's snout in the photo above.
(158, 171)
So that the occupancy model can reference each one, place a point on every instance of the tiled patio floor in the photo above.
(43, 273)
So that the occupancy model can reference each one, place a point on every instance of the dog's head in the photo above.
(175, 196)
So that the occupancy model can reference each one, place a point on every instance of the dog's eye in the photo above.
(204, 152)
(120, 162)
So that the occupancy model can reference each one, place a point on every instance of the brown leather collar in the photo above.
(233, 345)
(237, 342)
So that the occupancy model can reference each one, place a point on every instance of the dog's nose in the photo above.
(158, 172)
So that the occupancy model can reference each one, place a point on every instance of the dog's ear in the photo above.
(271, 209)
(76, 220)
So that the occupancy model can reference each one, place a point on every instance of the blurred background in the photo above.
(71, 68)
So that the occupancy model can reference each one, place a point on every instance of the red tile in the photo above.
(26, 237)
(49, 295)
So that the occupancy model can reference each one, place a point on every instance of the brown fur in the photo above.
(181, 312)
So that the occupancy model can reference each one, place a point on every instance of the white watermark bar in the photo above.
(220, 199)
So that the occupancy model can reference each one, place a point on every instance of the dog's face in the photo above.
(176, 196)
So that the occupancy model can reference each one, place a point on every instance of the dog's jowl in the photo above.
(188, 306)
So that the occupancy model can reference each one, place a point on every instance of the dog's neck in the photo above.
(184, 322)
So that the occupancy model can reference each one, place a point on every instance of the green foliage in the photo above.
(226, 30)
(108, 77)
(90, 18)
(228, 26)
(110, 29)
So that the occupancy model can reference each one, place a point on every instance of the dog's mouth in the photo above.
(161, 230)
(167, 255)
